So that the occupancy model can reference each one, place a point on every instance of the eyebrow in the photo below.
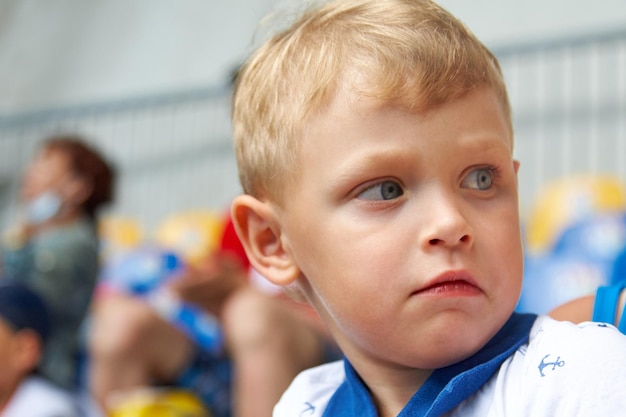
(485, 140)
(362, 162)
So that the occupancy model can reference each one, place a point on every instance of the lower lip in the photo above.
(451, 289)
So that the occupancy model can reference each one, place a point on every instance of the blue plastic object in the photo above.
(588, 254)
(143, 272)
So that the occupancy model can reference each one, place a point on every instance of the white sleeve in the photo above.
(310, 391)
(38, 398)
(568, 370)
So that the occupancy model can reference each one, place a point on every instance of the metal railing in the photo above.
(569, 103)
(174, 150)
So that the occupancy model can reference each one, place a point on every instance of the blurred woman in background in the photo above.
(54, 248)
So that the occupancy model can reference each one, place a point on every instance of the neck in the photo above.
(391, 395)
(62, 219)
(391, 387)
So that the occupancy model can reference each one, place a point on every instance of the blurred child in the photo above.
(375, 148)
(54, 246)
(577, 310)
(268, 340)
(24, 328)
(606, 306)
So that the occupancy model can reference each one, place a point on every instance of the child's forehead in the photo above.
(358, 93)
(371, 88)
(355, 104)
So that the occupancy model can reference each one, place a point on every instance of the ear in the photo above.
(516, 165)
(260, 233)
(29, 350)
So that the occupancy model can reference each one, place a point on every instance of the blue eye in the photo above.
(386, 190)
(479, 179)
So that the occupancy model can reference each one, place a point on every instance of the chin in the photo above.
(454, 353)
(463, 341)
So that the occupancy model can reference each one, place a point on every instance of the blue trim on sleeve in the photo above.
(446, 387)
(605, 306)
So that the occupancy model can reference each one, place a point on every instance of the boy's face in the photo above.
(405, 228)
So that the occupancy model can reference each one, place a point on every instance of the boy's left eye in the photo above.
(386, 190)
(479, 179)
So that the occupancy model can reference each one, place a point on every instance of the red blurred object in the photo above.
(231, 244)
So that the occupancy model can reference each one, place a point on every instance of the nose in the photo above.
(446, 225)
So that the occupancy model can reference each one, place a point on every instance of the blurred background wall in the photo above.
(148, 81)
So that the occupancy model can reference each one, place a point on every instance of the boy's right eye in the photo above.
(385, 190)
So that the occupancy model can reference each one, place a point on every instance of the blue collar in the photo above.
(446, 387)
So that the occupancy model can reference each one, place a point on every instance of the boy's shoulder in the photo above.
(551, 337)
(564, 368)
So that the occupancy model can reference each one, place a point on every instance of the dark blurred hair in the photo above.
(88, 163)
(22, 308)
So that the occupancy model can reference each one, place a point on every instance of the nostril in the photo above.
(462, 239)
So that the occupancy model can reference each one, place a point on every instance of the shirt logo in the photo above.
(558, 362)
(308, 411)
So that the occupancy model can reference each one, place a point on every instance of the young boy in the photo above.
(374, 142)
(23, 331)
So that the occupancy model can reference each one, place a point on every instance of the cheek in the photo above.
(31, 187)
(353, 258)
(345, 275)
(36, 183)
(505, 249)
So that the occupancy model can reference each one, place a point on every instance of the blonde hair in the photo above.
(409, 51)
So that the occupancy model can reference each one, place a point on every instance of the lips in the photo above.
(451, 283)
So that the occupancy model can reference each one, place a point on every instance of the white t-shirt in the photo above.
(36, 397)
(563, 370)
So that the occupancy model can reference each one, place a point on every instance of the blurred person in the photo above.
(606, 305)
(24, 327)
(268, 340)
(577, 310)
(609, 301)
(54, 246)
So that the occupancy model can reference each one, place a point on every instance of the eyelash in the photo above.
(495, 172)
(377, 183)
